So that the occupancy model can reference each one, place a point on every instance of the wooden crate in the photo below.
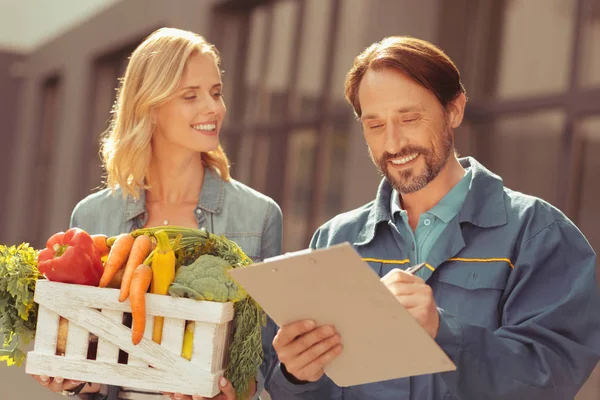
(150, 366)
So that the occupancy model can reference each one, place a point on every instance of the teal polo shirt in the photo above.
(431, 223)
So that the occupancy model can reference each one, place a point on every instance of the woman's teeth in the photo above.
(205, 127)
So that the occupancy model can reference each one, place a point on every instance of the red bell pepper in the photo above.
(71, 257)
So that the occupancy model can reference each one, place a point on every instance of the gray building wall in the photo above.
(10, 85)
(385, 18)
(72, 56)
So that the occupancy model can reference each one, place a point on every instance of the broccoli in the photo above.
(245, 350)
(206, 279)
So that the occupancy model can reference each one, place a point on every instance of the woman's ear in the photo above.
(457, 110)
(153, 117)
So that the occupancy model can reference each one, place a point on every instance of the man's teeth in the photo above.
(404, 160)
(205, 127)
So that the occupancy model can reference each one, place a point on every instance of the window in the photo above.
(525, 150)
(106, 73)
(584, 188)
(302, 146)
(283, 135)
(44, 160)
(311, 74)
(524, 105)
(589, 74)
(536, 47)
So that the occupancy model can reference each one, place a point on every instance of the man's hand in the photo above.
(227, 392)
(305, 349)
(416, 296)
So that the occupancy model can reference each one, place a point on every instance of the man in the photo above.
(509, 292)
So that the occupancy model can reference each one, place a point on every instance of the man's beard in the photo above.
(435, 160)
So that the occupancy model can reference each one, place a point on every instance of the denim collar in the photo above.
(210, 200)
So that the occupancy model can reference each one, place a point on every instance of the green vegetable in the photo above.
(18, 311)
(245, 348)
(206, 279)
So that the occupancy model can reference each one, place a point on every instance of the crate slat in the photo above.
(47, 322)
(120, 335)
(222, 356)
(148, 335)
(172, 337)
(78, 341)
(209, 340)
(202, 382)
(156, 304)
(108, 352)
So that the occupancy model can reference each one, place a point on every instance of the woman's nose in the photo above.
(208, 105)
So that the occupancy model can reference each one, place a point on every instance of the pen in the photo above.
(415, 268)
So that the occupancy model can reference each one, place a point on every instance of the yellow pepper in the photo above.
(163, 273)
(188, 341)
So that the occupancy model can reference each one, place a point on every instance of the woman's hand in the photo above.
(227, 392)
(58, 384)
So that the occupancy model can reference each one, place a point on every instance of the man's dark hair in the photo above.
(422, 61)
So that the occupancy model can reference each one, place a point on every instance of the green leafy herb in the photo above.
(18, 311)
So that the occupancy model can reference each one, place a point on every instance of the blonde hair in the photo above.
(153, 74)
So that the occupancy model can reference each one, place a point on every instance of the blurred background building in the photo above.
(531, 69)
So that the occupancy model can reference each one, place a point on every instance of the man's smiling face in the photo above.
(406, 129)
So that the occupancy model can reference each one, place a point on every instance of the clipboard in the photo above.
(335, 286)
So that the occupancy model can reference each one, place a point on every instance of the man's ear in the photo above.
(456, 110)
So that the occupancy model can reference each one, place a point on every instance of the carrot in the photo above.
(142, 276)
(139, 251)
(100, 244)
(115, 282)
(63, 332)
(116, 258)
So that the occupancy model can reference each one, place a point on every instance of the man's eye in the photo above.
(375, 126)
(412, 119)
(218, 94)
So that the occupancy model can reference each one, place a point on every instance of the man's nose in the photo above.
(395, 138)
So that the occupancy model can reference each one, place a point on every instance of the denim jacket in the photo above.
(232, 209)
(515, 285)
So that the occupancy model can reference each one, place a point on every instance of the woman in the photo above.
(165, 166)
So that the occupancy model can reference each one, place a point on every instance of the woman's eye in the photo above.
(375, 126)
(190, 97)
